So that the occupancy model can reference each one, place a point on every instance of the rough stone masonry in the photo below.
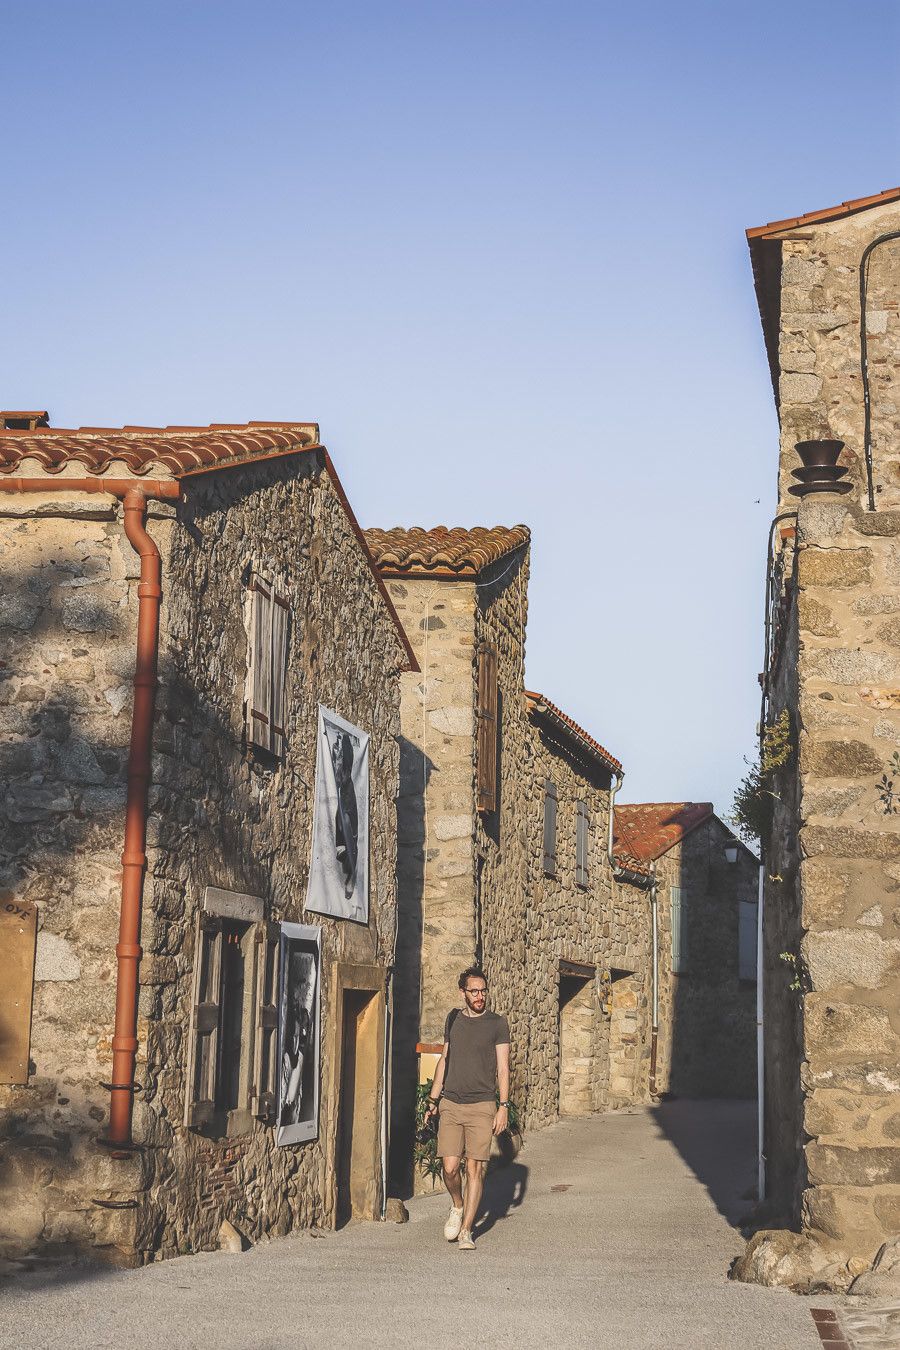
(219, 817)
(833, 861)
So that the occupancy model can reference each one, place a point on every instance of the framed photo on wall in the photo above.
(299, 1018)
(339, 872)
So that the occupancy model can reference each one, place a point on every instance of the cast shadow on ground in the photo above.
(717, 1139)
(504, 1189)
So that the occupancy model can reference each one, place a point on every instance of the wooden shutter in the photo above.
(259, 695)
(486, 713)
(264, 1092)
(203, 1069)
(551, 803)
(269, 620)
(679, 931)
(582, 846)
(747, 936)
(278, 667)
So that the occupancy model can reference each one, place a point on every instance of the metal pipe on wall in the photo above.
(134, 859)
(760, 1044)
(654, 1024)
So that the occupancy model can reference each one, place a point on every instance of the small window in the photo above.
(267, 669)
(232, 1068)
(679, 931)
(747, 935)
(551, 803)
(488, 728)
(582, 846)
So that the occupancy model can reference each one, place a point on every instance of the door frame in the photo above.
(368, 979)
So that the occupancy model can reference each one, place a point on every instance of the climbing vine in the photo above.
(753, 808)
(800, 982)
(888, 792)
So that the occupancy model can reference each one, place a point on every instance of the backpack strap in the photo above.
(450, 1020)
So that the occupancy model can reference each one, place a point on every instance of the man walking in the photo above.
(473, 1065)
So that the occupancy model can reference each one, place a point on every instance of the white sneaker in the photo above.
(466, 1241)
(453, 1224)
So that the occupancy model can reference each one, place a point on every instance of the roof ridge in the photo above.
(572, 726)
(443, 550)
(846, 208)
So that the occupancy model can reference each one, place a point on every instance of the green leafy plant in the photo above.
(800, 981)
(888, 792)
(426, 1155)
(753, 808)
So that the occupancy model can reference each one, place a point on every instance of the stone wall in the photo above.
(219, 817)
(503, 838)
(835, 664)
(603, 925)
(436, 866)
(707, 1013)
(67, 632)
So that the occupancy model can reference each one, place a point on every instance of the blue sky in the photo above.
(496, 250)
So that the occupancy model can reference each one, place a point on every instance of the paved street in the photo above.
(608, 1231)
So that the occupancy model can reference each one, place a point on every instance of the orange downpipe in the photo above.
(128, 949)
(134, 858)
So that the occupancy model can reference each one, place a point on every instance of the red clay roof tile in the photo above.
(143, 450)
(646, 830)
(539, 706)
(847, 208)
(455, 552)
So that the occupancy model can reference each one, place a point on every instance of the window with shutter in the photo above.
(747, 939)
(488, 729)
(278, 672)
(264, 1094)
(582, 846)
(551, 803)
(203, 1067)
(265, 700)
(679, 931)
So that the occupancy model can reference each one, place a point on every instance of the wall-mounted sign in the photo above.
(339, 875)
(18, 939)
(299, 1003)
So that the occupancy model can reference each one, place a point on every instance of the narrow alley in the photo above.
(612, 1230)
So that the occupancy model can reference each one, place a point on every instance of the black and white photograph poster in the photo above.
(298, 1034)
(339, 874)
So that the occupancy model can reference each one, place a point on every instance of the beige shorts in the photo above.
(465, 1128)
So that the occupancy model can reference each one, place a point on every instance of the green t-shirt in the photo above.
(472, 1066)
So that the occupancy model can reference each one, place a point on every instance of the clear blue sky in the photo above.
(495, 249)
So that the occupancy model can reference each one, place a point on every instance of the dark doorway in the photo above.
(576, 1044)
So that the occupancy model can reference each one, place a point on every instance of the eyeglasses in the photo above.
(476, 993)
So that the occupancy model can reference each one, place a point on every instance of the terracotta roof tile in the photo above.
(646, 830)
(847, 208)
(441, 551)
(539, 706)
(142, 450)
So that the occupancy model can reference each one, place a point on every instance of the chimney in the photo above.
(23, 421)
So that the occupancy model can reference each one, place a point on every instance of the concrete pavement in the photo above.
(608, 1231)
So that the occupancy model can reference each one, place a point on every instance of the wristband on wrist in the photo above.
(506, 1104)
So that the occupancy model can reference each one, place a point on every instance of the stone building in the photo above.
(827, 285)
(462, 597)
(239, 542)
(707, 888)
(484, 768)
(587, 973)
